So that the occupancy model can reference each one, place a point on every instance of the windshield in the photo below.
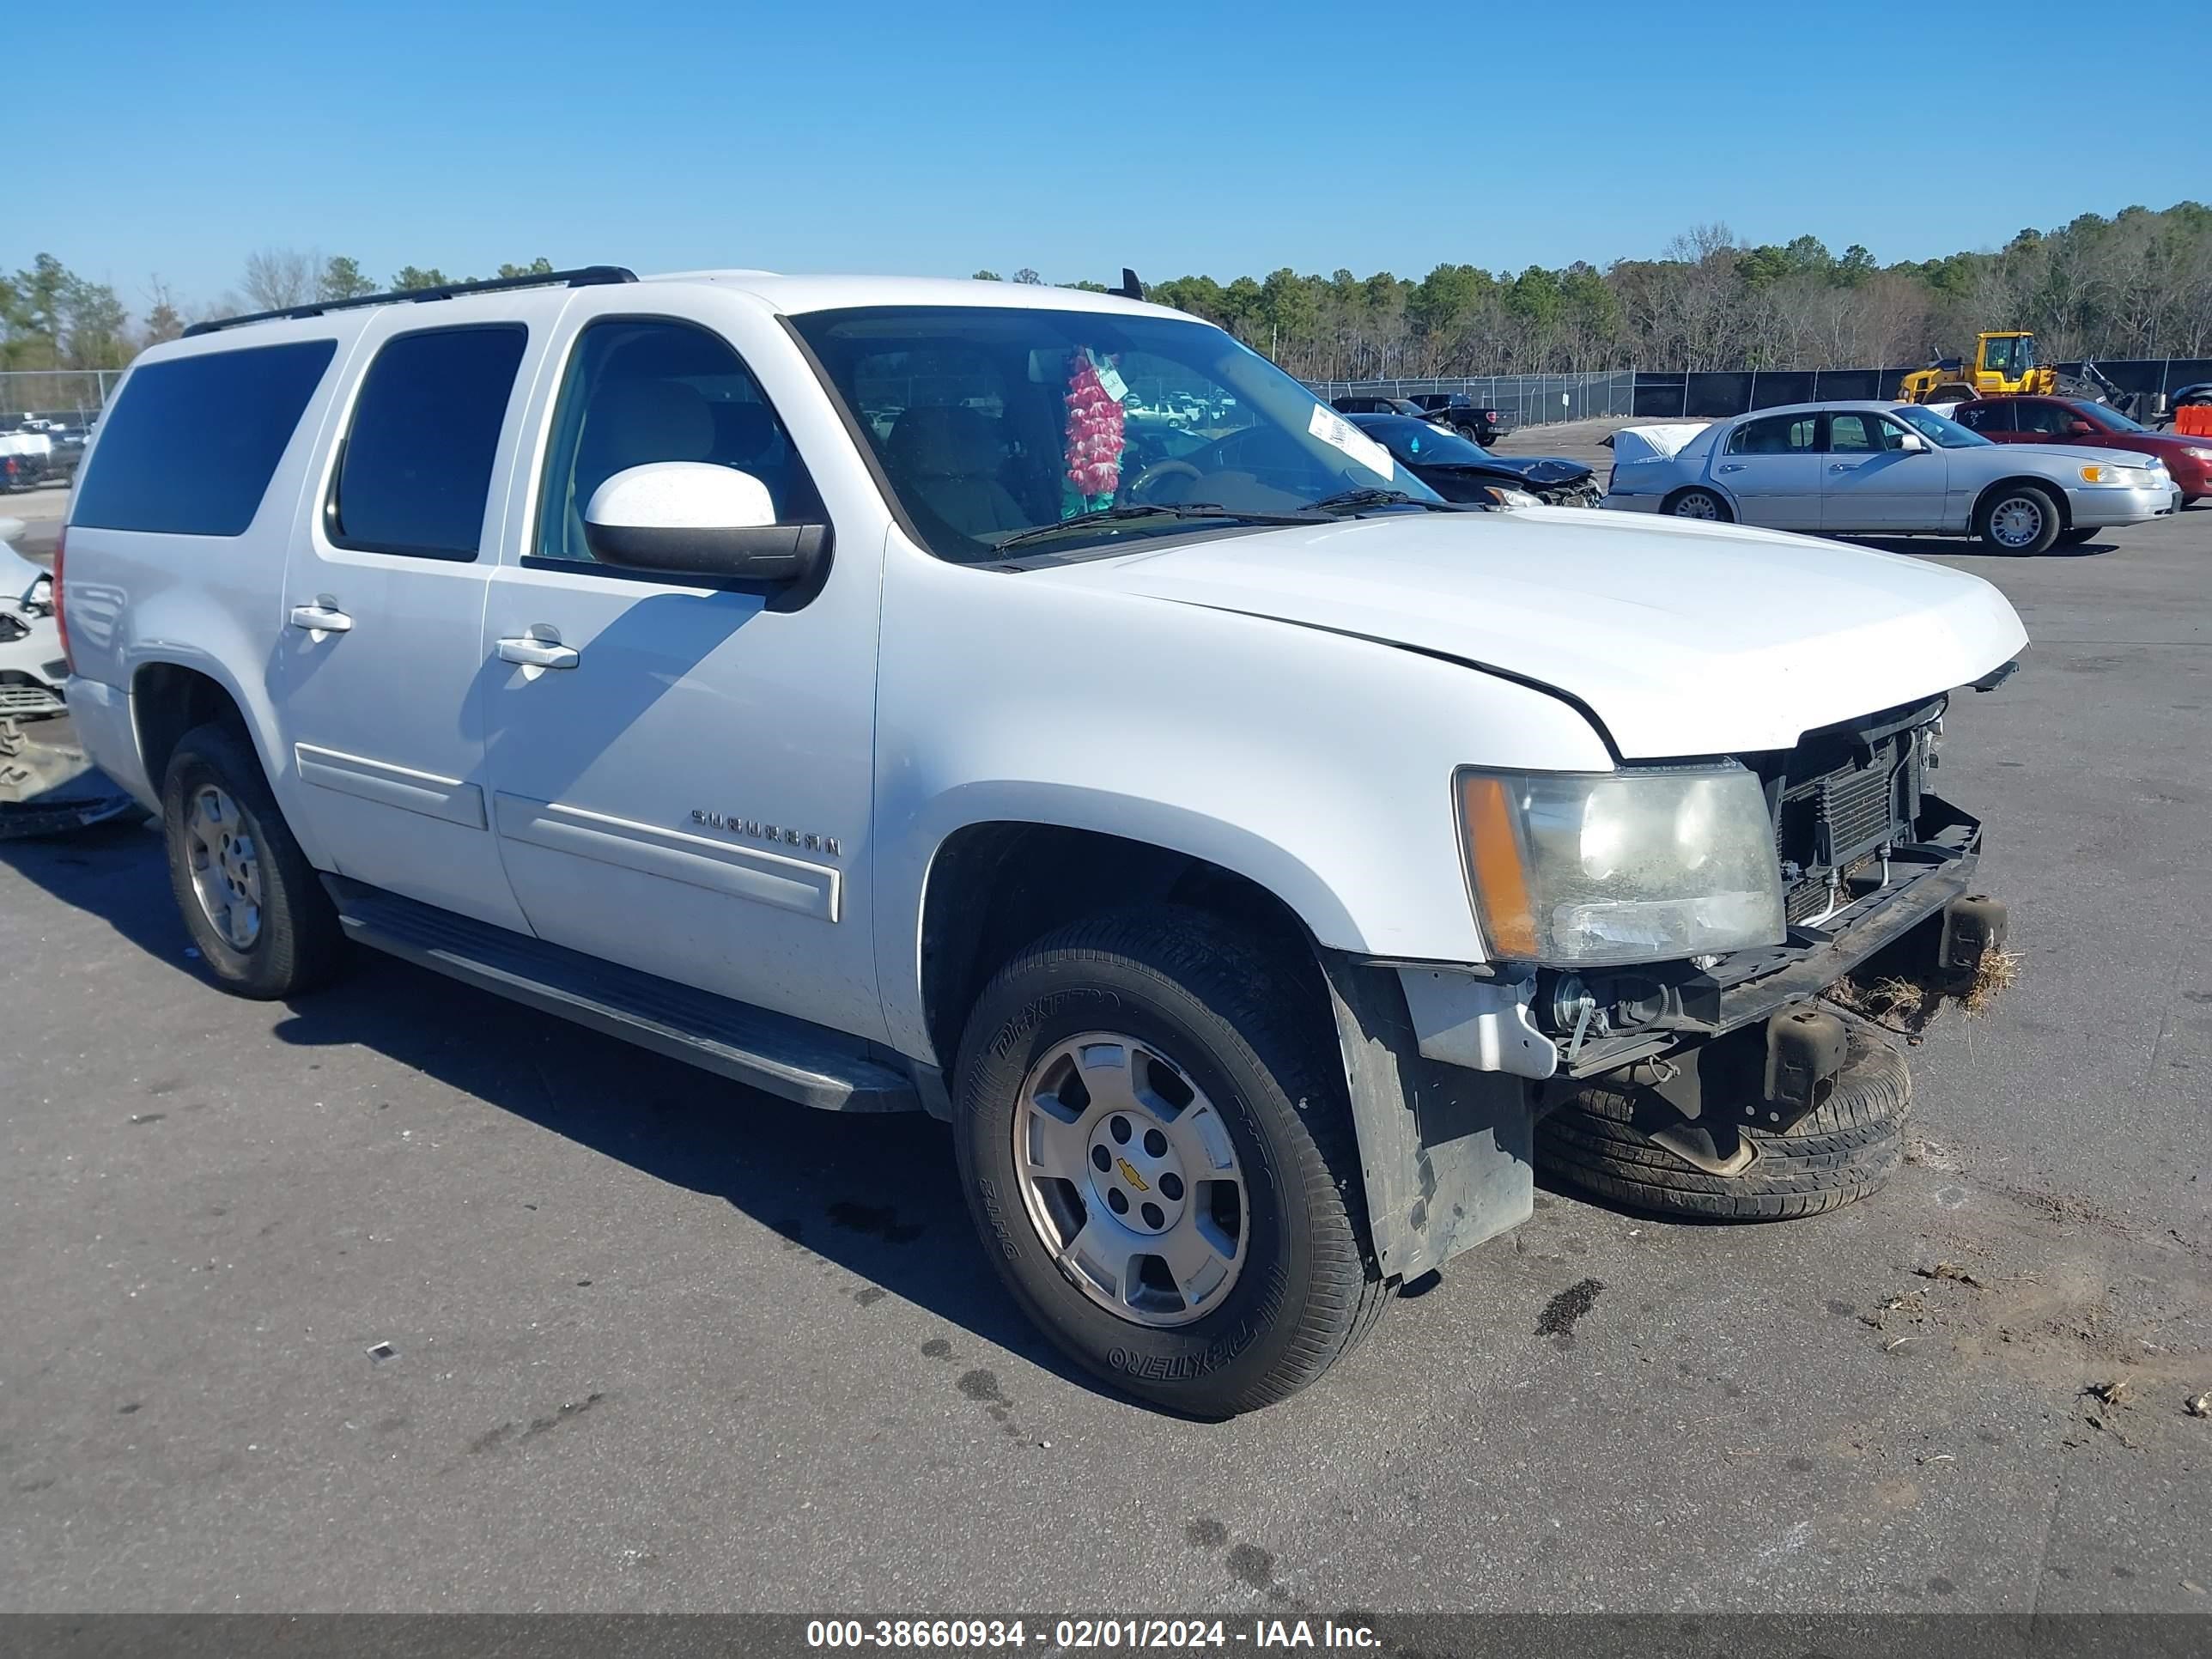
(2013, 355)
(2110, 419)
(1946, 435)
(1418, 444)
(991, 422)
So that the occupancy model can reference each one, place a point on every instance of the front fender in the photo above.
(1314, 765)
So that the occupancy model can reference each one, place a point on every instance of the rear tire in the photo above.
(1231, 1064)
(1847, 1148)
(254, 907)
(1700, 504)
(2019, 519)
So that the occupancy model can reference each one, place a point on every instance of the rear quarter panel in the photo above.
(213, 603)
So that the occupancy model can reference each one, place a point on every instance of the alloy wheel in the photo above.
(226, 868)
(2016, 521)
(1128, 1174)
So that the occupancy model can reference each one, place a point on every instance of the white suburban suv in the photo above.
(854, 687)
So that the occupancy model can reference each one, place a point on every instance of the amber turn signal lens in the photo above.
(1493, 859)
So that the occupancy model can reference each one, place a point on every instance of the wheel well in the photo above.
(165, 703)
(2056, 492)
(994, 887)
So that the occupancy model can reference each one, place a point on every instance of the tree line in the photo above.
(2138, 284)
(51, 318)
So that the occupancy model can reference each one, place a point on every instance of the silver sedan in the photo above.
(1888, 469)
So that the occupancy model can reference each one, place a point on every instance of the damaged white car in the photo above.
(46, 783)
(32, 669)
(1262, 863)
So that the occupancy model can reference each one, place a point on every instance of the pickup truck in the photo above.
(1480, 421)
(1259, 862)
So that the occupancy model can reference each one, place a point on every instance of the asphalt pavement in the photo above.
(404, 1297)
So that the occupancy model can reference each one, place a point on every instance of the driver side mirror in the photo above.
(692, 519)
(1913, 444)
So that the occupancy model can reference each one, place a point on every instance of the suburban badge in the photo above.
(782, 835)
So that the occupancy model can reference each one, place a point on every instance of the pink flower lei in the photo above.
(1094, 430)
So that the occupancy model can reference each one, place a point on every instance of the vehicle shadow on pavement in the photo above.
(873, 1196)
(1925, 544)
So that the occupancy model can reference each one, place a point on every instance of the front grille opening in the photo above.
(1839, 798)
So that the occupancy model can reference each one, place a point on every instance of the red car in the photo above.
(2076, 421)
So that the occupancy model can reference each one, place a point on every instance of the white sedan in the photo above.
(1891, 470)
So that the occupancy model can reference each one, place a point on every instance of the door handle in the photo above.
(319, 618)
(538, 653)
(1731, 466)
(1844, 466)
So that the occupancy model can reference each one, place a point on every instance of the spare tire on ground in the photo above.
(1601, 1140)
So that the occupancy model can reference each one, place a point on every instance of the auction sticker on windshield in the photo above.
(1332, 428)
(1110, 377)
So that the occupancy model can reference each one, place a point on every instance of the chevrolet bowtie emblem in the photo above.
(1129, 1174)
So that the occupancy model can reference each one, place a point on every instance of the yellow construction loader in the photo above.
(2004, 366)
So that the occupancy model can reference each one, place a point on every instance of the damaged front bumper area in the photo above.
(1449, 1069)
(1634, 1012)
(1748, 1029)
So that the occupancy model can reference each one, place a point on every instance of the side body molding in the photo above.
(452, 800)
(718, 866)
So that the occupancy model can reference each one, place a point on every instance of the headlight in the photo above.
(2199, 455)
(1506, 495)
(1585, 869)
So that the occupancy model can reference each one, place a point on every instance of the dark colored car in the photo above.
(20, 467)
(1460, 470)
(69, 442)
(2077, 420)
(1369, 402)
(1485, 426)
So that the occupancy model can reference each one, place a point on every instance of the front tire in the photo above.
(254, 906)
(1157, 1149)
(1700, 504)
(2019, 519)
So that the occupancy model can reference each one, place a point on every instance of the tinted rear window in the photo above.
(419, 458)
(191, 445)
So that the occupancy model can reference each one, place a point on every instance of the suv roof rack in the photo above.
(582, 276)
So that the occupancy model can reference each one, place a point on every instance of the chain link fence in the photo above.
(1523, 399)
(75, 395)
(1664, 395)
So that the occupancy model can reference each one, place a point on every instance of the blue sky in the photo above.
(1075, 139)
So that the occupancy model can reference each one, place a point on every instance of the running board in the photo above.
(798, 1061)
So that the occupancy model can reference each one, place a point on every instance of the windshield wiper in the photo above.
(1104, 515)
(1356, 500)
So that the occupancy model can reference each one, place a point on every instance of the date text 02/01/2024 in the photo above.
(1085, 1634)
